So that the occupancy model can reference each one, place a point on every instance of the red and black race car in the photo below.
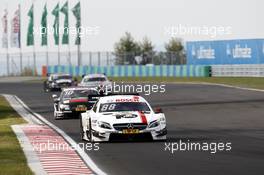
(73, 101)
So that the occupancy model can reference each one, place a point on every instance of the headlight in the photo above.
(53, 84)
(104, 125)
(154, 124)
(66, 101)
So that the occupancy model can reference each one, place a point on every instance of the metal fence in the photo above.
(27, 64)
(238, 70)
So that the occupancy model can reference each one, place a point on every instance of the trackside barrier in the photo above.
(44, 71)
(245, 70)
(134, 70)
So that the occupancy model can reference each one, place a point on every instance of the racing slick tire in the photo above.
(81, 128)
(89, 132)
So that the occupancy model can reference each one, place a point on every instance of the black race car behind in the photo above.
(73, 101)
(58, 81)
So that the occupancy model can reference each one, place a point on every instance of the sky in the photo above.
(107, 20)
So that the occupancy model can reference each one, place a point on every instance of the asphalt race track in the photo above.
(199, 113)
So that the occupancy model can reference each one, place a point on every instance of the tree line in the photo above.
(129, 51)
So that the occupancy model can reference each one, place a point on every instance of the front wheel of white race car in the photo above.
(81, 128)
(89, 131)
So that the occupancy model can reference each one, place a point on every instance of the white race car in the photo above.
(95, 81)
(119, 117)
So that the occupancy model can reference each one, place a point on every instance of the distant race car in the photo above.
(95, 81)
(118, 117)
(58, 81)
(73, 101)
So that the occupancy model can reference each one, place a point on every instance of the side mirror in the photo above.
(54, 96)
(158, 110)
(83, 76)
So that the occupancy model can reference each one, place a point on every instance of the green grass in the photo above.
(12, 159)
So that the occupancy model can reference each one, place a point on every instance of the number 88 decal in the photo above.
(108, 107)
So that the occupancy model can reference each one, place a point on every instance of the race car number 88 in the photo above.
(108, 107)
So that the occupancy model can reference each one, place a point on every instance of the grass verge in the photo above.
(12, 158)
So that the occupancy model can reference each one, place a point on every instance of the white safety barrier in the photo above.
(238, 70)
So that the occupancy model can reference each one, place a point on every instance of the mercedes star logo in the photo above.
(130, 126)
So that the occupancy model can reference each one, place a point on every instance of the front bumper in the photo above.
(103, 135)
(63, 113)
(60, 85)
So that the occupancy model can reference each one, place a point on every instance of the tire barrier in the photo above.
(133, 70)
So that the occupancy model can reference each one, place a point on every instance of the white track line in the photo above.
(217, 84)
(89, 162)
(205, 83)
(21, 110)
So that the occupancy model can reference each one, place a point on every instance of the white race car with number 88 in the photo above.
(119, 117)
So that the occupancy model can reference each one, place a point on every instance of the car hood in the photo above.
(126, 117)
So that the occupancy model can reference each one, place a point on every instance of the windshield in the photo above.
(78, 93)
(127, 106)
(62, 77)
(95, 79)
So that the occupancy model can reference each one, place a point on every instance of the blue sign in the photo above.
(249, 51)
